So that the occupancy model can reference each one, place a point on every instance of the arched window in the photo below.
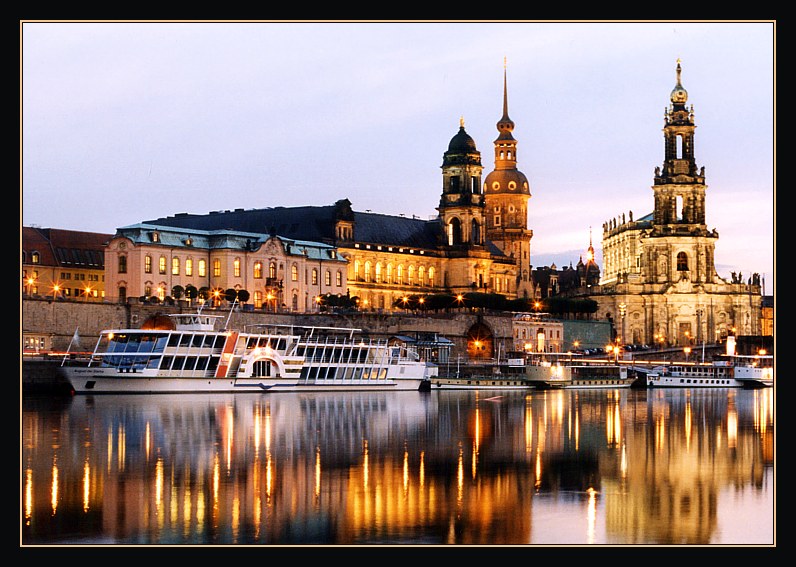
(431, 277)
(339, 281)
(389, 273)
(475, 234)
(357, 268)
(327, 278)
(367, 271)
(162, 265)
(272, 270)
(378, 272)
(258, 269)
(410, 275)
(236, 267)
(399, 276)
(148, 264)
(314, 276)
(421, 275)
(454, 232)
(682, 262)
(294, 275)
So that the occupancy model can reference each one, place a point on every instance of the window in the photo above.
(188, 267)
(202, 268)
(339, 278)
(272, 270)
(682, 262)
(327, 278)
(236, 267)
(216, 268)
(431, 277)
(399, 276)
(410, 276)
(175, 266)
(421, 275)
(367, 271)
(389, 273)
(148, 264)
(35, 258)
(258, 270)
(356, 270)
(314, 276)
(378, 272)
(162, 265)
(294, 273)
(122, 264)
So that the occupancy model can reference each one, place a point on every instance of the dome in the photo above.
(679, 94)
(509, 181)
(461, 143)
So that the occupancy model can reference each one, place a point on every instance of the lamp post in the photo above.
(622, 310)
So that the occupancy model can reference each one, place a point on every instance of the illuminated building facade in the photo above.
(148, 260)
(478, 242)
(659, 282)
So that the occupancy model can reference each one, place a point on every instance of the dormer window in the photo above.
(189, 241)
(155, 237)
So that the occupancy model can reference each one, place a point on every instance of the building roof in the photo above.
(317, 224)
(65, 248)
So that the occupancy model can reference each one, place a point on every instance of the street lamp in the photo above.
(622, 310)
(687, 351)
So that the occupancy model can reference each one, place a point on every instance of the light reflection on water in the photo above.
(571, 467)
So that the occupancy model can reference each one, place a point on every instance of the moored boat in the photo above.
(194, 355)
(731, 371)
(567, 370)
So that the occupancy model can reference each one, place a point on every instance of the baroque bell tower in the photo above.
(461, 206)
(506, 194)
(680, 247)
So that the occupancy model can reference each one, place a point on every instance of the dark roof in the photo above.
(315, 224)
(66, 248)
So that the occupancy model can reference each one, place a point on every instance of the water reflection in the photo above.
(446, 467)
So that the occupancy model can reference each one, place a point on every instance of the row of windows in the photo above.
(236, 269)
(369, 273)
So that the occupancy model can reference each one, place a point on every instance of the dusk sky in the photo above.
(124, 122)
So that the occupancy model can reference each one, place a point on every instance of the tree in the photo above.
(177, 291)
(243, 295)
(191, 292)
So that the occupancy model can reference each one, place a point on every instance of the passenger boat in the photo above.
(734, 371)
(571, 371)
(194, 355)
(507, 376)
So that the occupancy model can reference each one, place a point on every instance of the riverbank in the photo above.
(43, 376)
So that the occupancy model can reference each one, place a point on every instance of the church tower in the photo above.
(680, 245)
(507, 192)
(461, 207)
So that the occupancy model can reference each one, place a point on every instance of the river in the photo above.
(620, 467)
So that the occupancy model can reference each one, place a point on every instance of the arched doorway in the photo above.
(480, 342)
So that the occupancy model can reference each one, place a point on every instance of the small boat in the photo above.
(731, 371)
(572, 371)
(508, 375)
(195, 355)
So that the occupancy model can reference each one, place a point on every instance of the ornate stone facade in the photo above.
(659, 282)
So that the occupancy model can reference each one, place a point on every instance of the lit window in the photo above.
(431, 277)
(162, 265)
(294, 273)
(202, 268)
(378, 272)
(339, 278)
(35, 258)
(188, 267)
(258, 270)
(327, 278)
(314, 276)
(367, 271)
(148, 264)
(272, 270)
(236, 267)
(216, 268)
(175, 266)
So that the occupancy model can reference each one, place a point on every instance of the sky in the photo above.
(122, 122)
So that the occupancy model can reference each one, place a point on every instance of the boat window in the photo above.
(251, 343)
(197, 340)
(208, 341)
(211, 367)
(185, 340)
(133, 342)
(166, 363)
(332, 372)
(179, 362)
(220, 340)
(148, 343)
(190, 363)
(174, 339)
(153, 362)
(201, 362)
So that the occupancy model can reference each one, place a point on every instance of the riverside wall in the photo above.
(58, 320)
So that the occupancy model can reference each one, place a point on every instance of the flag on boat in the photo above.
(75, 340)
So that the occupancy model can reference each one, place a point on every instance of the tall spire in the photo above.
(505, 125)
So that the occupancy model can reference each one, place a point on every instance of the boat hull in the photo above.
(481, 383)
(94, 381)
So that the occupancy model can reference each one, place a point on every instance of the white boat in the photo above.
(734, 371)
(570, 371)
(195, 356)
